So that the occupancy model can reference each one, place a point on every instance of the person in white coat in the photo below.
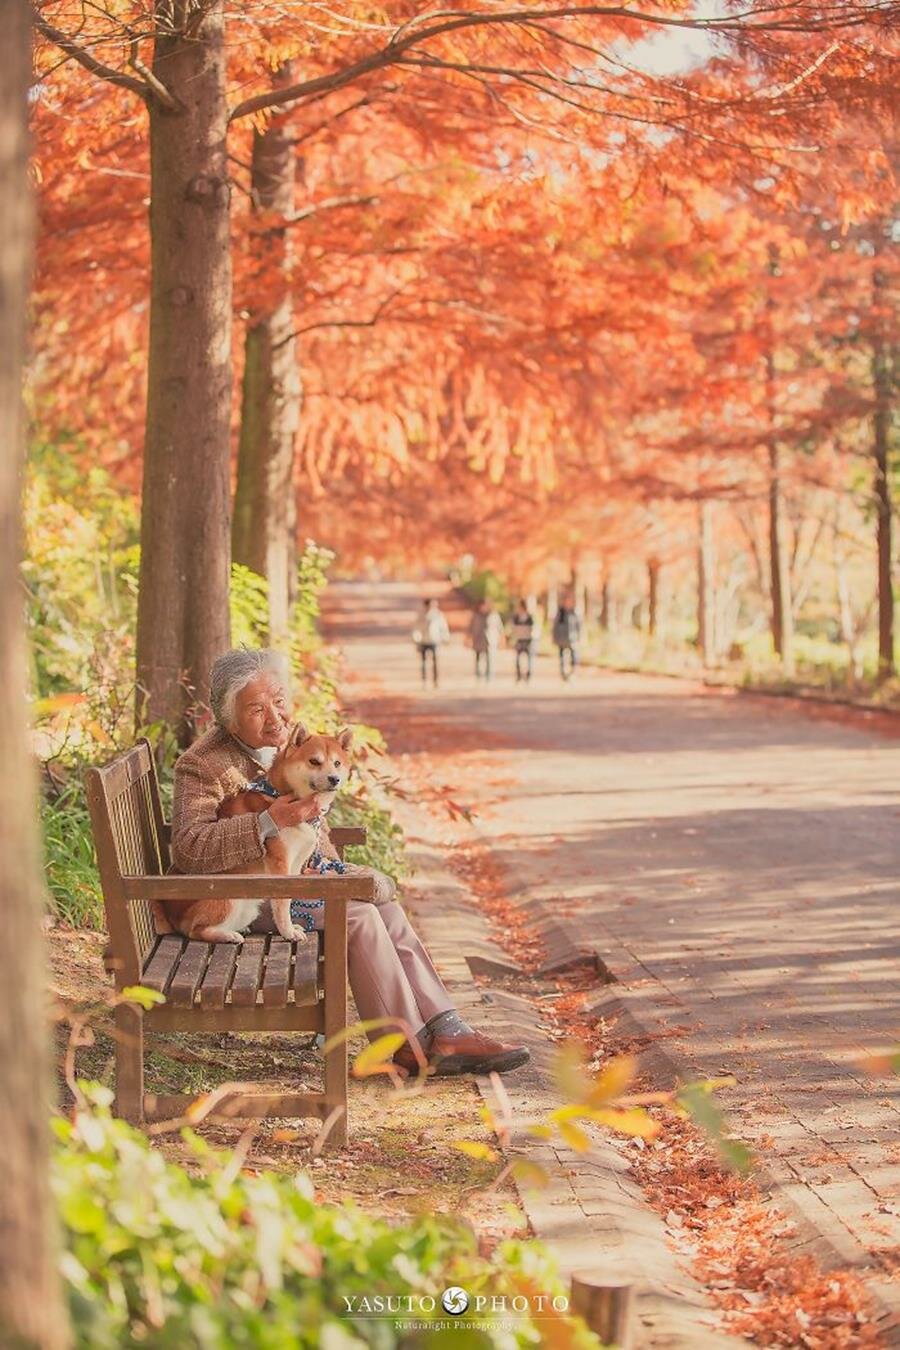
(431, 631)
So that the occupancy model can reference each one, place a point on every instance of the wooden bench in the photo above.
(265, 985)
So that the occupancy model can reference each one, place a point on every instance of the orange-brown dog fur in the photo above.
(307, 768)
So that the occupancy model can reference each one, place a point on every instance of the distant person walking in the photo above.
(485, 635)
(566, 635)
(430, 632)
(524, 635)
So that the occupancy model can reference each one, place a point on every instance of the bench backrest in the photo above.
(131, 840)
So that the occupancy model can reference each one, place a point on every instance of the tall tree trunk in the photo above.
(881, 378)
(850, 625)
(779, 560)
(606, 605)
(31, 1306)
(264, 527)
(782, 609)
(706, 586)
(576, 589)
(551, 604)
(183, 621)
(653, 596)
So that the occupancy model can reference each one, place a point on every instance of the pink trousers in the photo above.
(390, 972)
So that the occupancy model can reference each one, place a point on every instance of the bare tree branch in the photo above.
(156, 85)
(342, 323)
(330, 204)
(364, 102)
(441, 23)
(89, 62)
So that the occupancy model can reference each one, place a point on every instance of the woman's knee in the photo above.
(385, 886)
(396, 921)
(363, 918)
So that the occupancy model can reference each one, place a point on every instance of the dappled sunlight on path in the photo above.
(734, 862)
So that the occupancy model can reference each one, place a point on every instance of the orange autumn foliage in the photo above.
(547, 290)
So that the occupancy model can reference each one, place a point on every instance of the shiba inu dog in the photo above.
(309, 766)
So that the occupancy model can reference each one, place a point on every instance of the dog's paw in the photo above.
(236, 938)
(298, 934)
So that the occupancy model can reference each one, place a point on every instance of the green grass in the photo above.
(69, 861)
(821, 665)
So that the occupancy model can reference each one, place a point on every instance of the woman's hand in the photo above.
(290, 810)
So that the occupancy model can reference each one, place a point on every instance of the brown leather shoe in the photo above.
(449, 1055)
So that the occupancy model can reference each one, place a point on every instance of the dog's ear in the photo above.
(345, 738)
(297, 734)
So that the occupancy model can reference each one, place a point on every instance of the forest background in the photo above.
(583, 297)
(591, 302)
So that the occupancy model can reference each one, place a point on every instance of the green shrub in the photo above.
(160, 1258)
(248, 600)
(71, 868)
(487, 586)
(312, 578)
(385, 846)
(79, 570)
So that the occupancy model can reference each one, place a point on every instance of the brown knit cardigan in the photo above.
(215, 767)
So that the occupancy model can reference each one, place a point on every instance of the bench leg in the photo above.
(336, 1016)
(130, 1064)
(336, 1092)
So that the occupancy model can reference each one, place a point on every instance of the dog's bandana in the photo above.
(262, 785)
(325, 865)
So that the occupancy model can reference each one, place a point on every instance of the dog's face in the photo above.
(315, 764)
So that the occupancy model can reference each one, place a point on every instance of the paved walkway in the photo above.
(734, 861)
(589, 1211)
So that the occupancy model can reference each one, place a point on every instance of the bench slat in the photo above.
(218, 975)
(306, 967)
(186, 980)
(247, 972)
(162, 963)
(125, 770)
(278, 972)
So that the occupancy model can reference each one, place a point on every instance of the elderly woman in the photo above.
(390, 972)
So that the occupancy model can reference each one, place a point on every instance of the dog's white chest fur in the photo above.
(300, 842)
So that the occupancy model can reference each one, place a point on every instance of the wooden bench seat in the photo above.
(266, 972)
(266, 984)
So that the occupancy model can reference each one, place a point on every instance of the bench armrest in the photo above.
(342, 835)
(245, 887)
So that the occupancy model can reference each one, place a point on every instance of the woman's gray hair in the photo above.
(233, 671)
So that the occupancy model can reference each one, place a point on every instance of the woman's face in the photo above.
(261, 713)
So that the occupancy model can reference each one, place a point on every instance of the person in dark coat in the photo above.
(566, 636)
